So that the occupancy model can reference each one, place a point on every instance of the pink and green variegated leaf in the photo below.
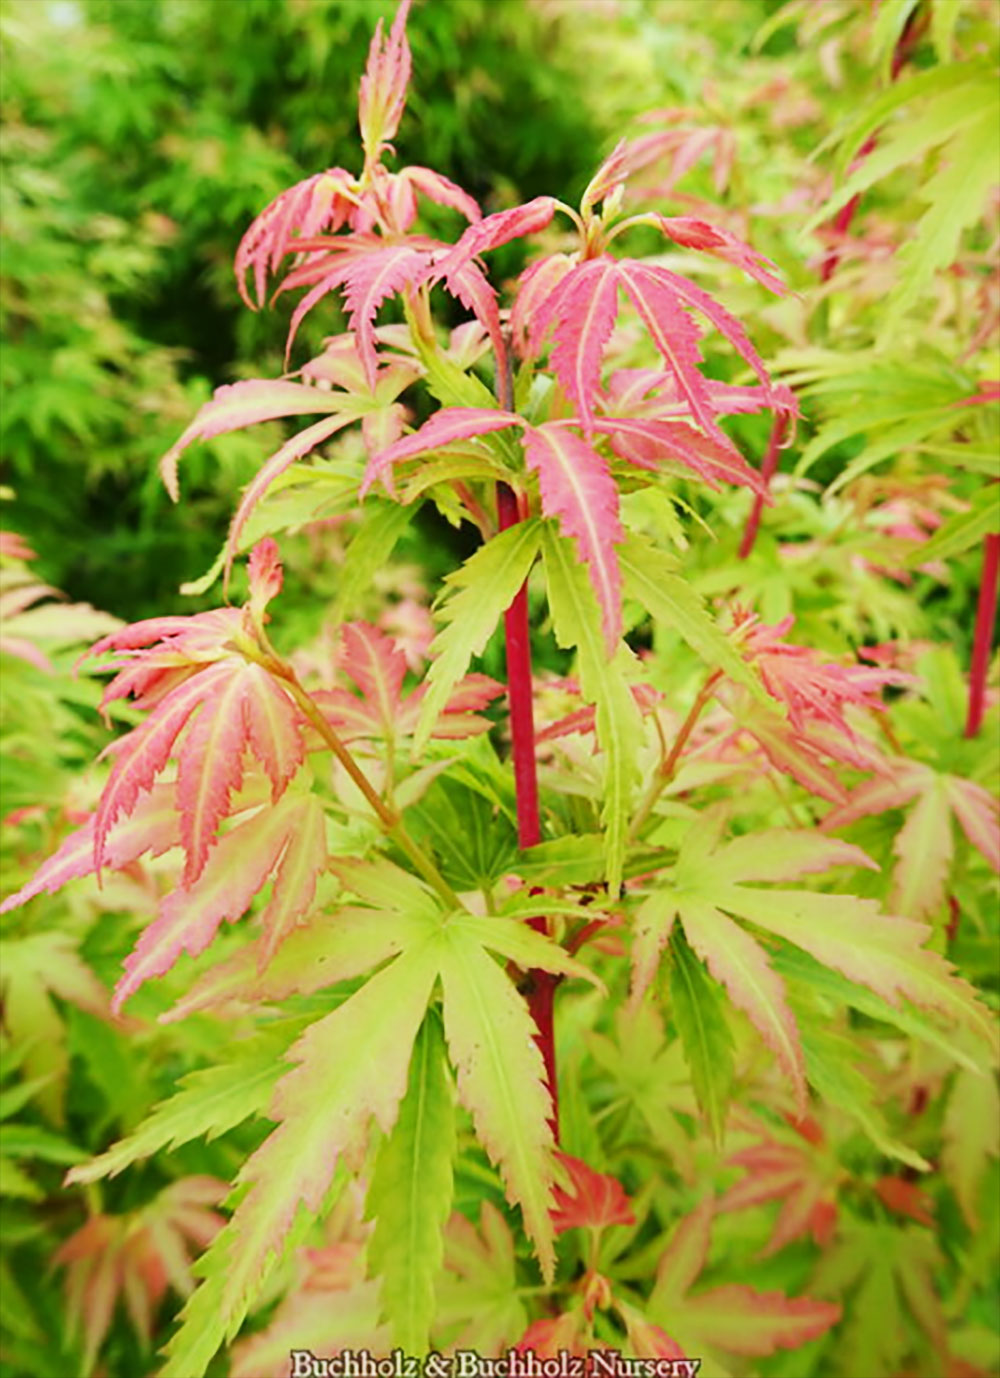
(441, 189)
(369, 281)
(684, 1257)
(152, 826)
(741, 1320)
(535, 286)
(979, 814)
(691, 233)
(321, 202)
(583, 307)
(739, 963)
(469, 285)
(676, 336)
(272, 728)
(651, 931)
(296, 448)
(313, 956)
(325, 1108)
(876, 950)
(794, 754)
(237, 868)
(724, 321)
(302, 861)
(495, 230)
(645, 442)
(647, 1341)
(210, 765)
(501, 1080)
(444, 427)
(382, 97)
(782, 854)
(925, 847)
(264, 573)
(377, 666)
(879, 795)
(245, 404)
(577, 489)
(147, 748)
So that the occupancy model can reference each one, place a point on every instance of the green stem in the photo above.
(388, 816)
(668, 766)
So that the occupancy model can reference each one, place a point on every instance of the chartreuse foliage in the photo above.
(545, 1030)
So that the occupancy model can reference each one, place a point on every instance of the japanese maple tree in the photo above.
(388, 886)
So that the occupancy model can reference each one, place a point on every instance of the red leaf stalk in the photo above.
(767, 468)
(985, 615)
(912, 31)
(541, 984)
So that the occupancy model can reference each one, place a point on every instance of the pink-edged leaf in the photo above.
(152, 826)
(724, 321)
(302, 861)
(595, 1200)
(245, 404)
(321, 202)
(611, 174)
(210, 764)
(272, 728)
(264, 573)
(351, 716)
(925, 847)
(471, 287)
(552, 1337)
(583, 308)
(979, 814)
(382, 96)
(739, 963)
(577, 488)
(691, 233)
(444, 427)
(495, 230)
(377, 667)
(535, 285)
(676, 336)
(296, 448)
(880, 951)
(189, 917)
(147, 748)
(199, 637)
(878, 796)
(369, 282)
(781, 854)
(684, 1257)
(741, 1321)
(440, 189)
(647, 1341)
(646, 442)
(331, 273)
(793, 754)
(460, 717)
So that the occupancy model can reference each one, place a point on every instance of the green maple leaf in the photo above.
(713, 887)
(353, 1067)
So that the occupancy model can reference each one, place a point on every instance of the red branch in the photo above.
(913, 30)
(768, 465)
(541, 985)
(985, 614)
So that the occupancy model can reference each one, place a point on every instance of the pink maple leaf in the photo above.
(595, 1200)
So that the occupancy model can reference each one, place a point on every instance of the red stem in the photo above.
(541, 985)
(985, 614)
(907, 41)
(768, 466)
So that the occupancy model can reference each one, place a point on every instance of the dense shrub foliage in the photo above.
(534, 889)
